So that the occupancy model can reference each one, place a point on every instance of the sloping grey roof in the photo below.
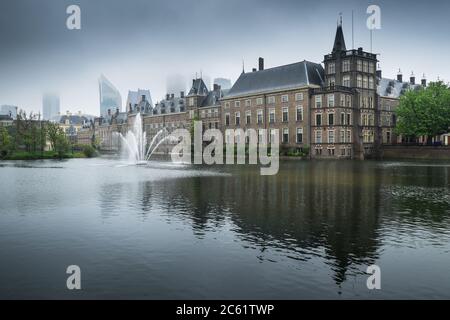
(279, 78)
(391, 88)
(212, 99)
(73, 119)
(198, 88)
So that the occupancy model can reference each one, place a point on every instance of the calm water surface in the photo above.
(181, 231)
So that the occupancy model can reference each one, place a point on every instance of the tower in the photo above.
(349, 103)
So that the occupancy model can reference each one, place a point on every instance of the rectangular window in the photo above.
(285, 98)
(331, 101)
(299, 135)
(248, 103)
(299, 113)
(318, 136)
(330, 136)
(349, 136)
(371, 83)
(346, 65)
(318, 119)
(365, 66)
(331, 81)
(272, 116)
(259, 101)
(237, 104)
(285, 135)
(331, 119)
(365, 82)
(349, 117)
(272, 135)
(260, 116)
(271, 100)
(359, 81)
(331, 68)
(227, 119)
(248, 116)
(191, 102)
(237, 118)
(299, 97)
(285, 115)
(348, 103)
(346, 81)
(318, 101)
(342, 118)
(342, 138)
(359, 65)
(227, 104)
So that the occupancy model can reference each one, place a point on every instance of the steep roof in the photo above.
(279, 78)
(198, 88)
(339, 41)
(391, 88)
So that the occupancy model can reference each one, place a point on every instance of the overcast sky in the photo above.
(139, 43)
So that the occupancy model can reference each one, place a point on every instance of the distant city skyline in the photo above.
(147, 47)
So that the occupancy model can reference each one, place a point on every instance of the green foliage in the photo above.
(89, 151)
(5, 142)
(61, 146)
(424, 112)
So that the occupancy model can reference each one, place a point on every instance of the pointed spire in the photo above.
(339, 41)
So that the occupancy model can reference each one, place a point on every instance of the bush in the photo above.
(89, 151)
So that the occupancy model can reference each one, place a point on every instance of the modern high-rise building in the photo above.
(110, 98)
(50, 106)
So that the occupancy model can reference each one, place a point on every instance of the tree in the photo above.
(58, 140)
(424, 112)
(5, 142)
(54, 133)
(62, 145)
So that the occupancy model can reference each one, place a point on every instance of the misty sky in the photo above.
(139, 43)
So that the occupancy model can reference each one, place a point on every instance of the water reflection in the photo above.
(308, 232)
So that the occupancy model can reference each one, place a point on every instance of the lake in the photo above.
(175, 231)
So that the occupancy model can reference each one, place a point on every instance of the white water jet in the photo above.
(134, 143)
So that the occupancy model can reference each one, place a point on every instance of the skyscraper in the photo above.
(110, 98)
(50, 106)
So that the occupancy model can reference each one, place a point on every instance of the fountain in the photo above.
(135, 142)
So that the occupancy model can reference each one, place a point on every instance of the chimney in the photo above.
(167, 96)
(172, 96)
(216, 87)
(399, 76)
(109, 112)
(379, 74)
(143, 97)
(254, 70)
(182, 94)
(424, 81)
(117, 111)
(412, 79)
(261, 63)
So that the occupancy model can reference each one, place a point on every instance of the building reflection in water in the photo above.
(330, 210)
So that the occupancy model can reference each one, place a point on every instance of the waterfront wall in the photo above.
(415, 152)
